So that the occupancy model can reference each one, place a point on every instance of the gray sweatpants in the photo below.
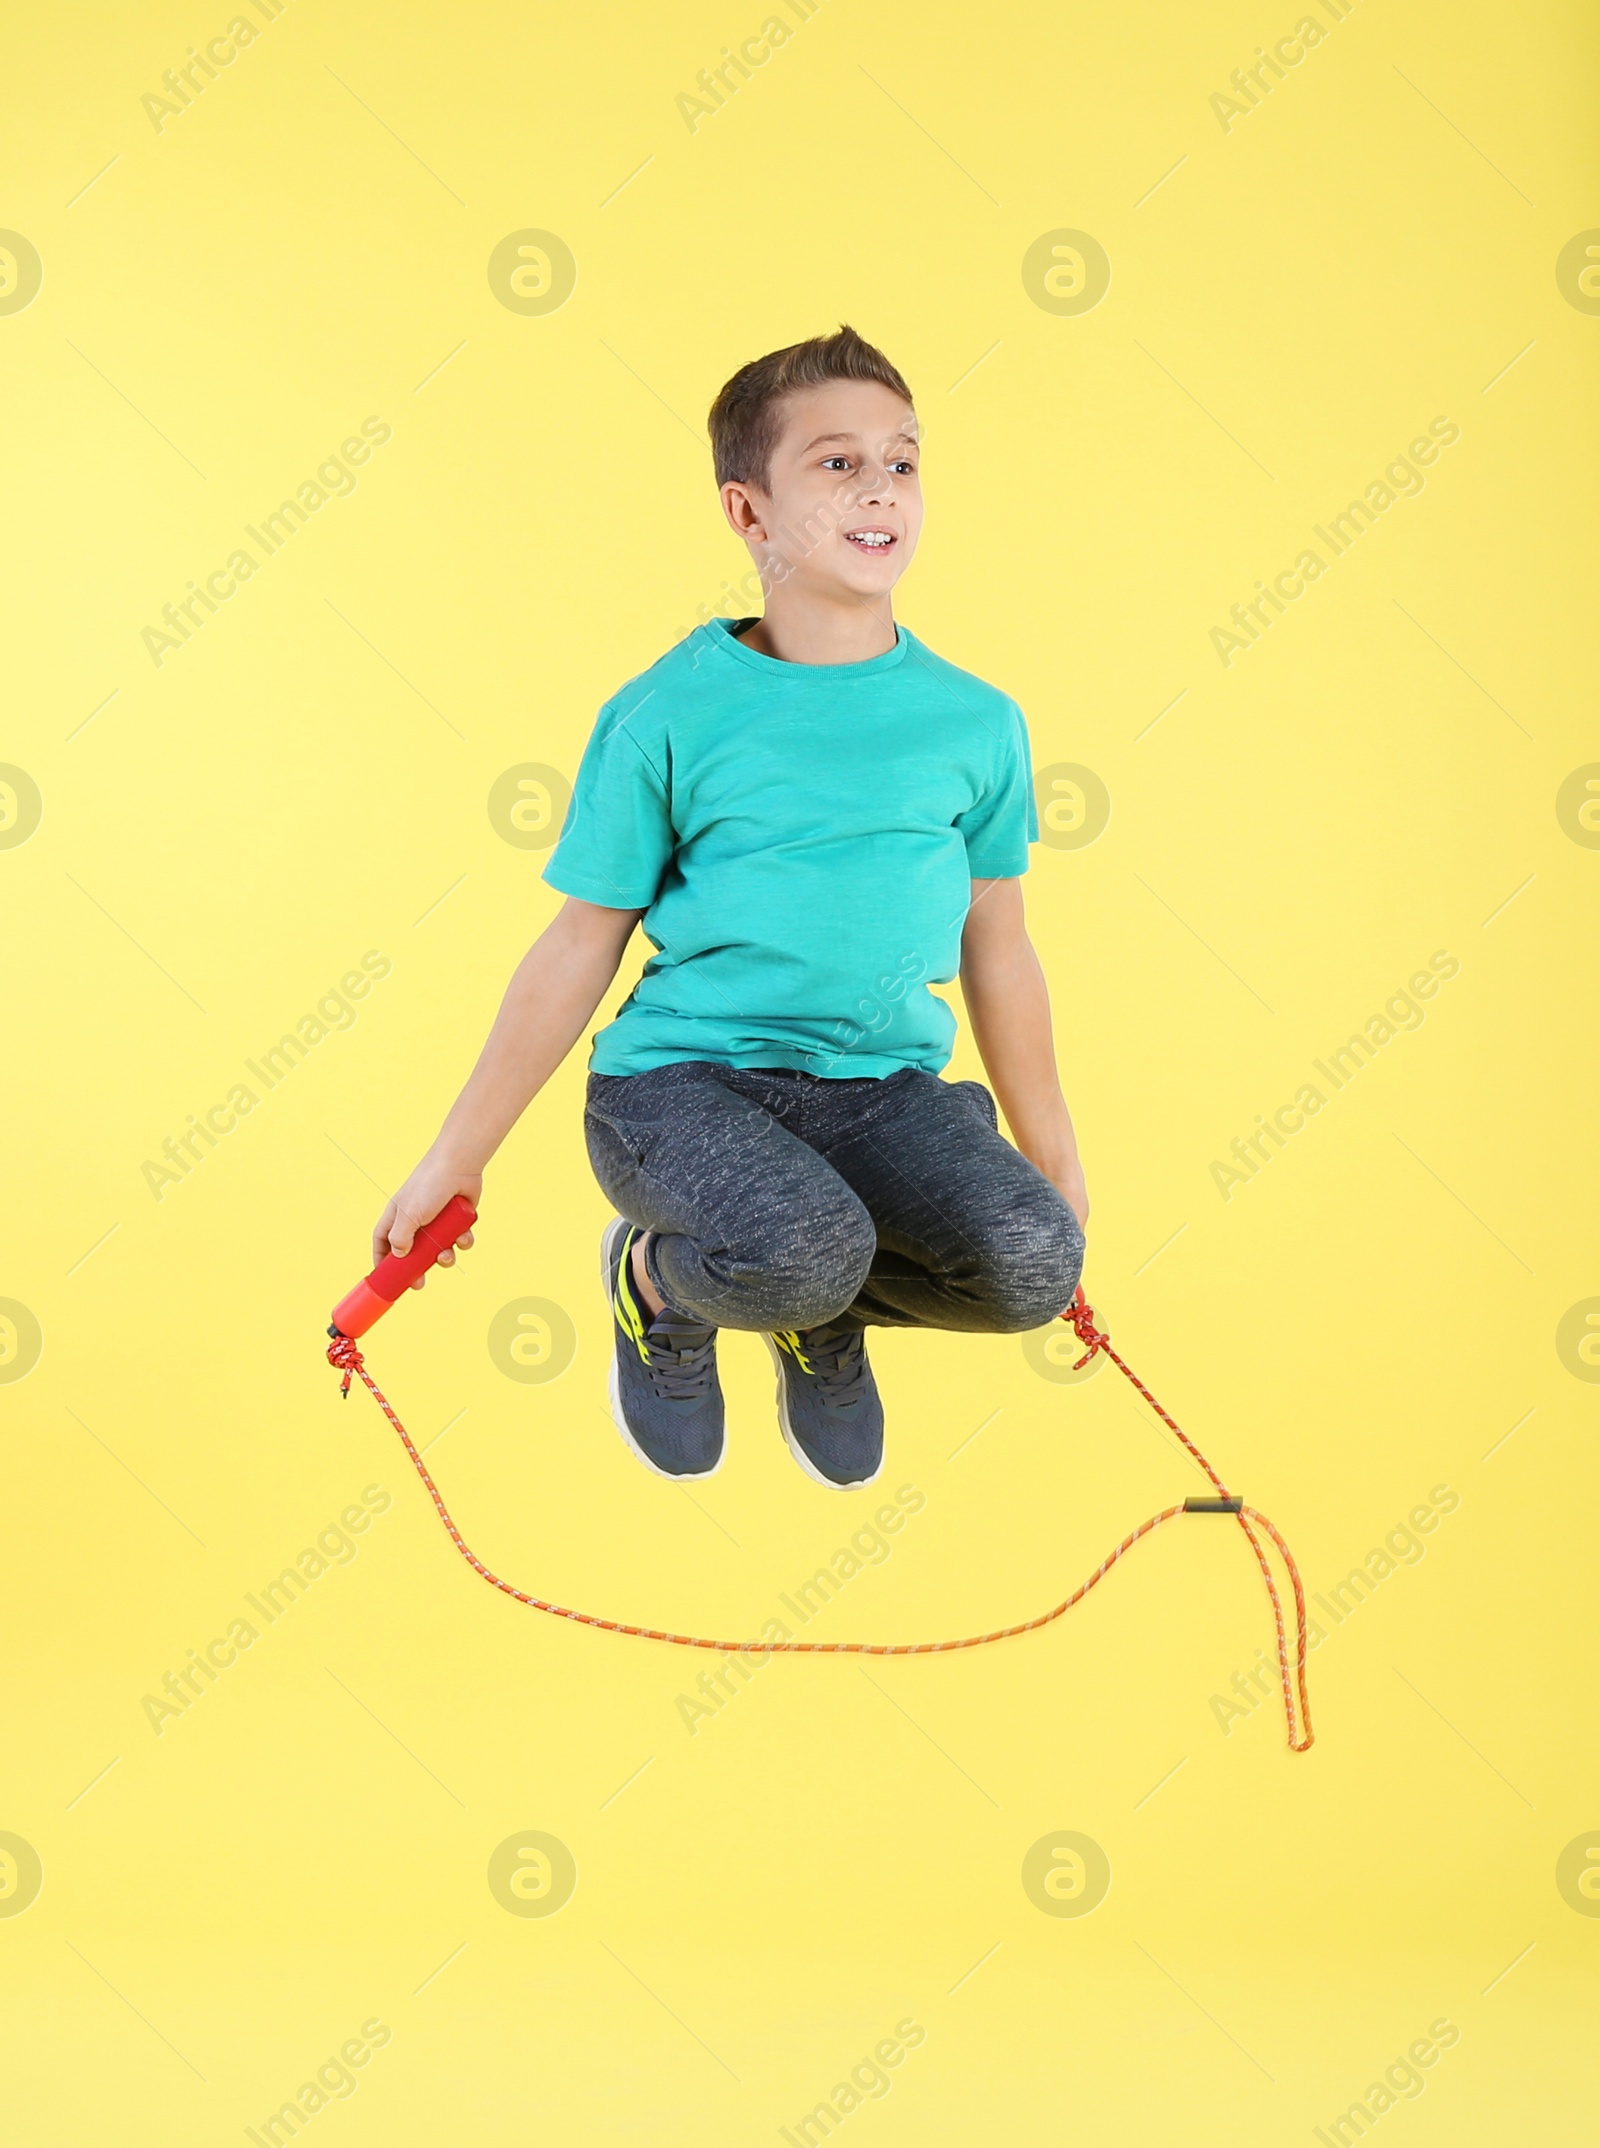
(784, 1200)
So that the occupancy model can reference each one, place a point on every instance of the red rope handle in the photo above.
(345, 1355)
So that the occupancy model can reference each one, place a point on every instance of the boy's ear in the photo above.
(745, 510)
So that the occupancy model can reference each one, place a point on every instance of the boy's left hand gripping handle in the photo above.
(370, 1300)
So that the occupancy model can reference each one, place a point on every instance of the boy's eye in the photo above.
(830, 462)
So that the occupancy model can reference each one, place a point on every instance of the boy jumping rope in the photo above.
(814, 817)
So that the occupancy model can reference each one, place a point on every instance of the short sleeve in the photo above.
(616, 840)
(998, 826)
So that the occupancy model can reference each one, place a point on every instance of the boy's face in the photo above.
(843, 510)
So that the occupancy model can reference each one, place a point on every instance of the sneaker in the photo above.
(665, 1395)
(828, 1404)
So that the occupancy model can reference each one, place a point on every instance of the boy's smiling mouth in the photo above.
(871, 539)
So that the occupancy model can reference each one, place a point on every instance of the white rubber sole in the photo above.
(794, 1446)
(608, 1242)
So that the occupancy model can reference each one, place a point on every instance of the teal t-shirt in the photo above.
(801, 839)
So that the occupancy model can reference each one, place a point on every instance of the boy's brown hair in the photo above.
(747, 416)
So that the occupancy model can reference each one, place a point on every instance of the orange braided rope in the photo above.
(345, 1356)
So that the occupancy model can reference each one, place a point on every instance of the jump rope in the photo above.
(371, 1299)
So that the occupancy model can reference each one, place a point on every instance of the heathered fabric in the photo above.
(784, 1200)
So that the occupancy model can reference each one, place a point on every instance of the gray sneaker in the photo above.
(828, 1404)
(665, 1395)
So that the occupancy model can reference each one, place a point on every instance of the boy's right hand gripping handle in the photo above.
(370, 1300)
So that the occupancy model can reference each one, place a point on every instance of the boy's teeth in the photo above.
(871, 537)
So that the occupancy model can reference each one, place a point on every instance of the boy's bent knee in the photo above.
(1032, 1277)
(805, 1272)
(817, 1270)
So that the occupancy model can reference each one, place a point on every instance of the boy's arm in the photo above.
(1008, 1004)
(553, 992)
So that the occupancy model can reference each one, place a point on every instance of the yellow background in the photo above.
(1292, 301)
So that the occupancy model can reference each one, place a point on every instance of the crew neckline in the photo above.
(725, 638)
